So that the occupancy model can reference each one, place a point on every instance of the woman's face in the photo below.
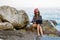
(37, 12)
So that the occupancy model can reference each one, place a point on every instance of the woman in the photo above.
(37, 21)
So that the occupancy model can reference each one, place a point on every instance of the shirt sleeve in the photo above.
(33, 20)
(40, 18)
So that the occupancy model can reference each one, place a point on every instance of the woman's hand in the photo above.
(34, 22)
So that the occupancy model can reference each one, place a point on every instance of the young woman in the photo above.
(37, 21)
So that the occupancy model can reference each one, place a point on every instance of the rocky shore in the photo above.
(14, 25)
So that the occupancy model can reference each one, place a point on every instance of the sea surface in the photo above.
(47, 38)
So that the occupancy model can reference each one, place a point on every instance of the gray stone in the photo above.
(17, 18)
(5, 25)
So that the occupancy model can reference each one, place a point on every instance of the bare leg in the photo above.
(38, 30)
(34, 25)
(41, 30)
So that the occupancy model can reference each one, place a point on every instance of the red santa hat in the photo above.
(36, 10)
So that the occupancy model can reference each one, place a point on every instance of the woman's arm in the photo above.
(40, 18)
(33, 20)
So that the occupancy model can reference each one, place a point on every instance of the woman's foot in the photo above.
(38, 34)
(43, 35)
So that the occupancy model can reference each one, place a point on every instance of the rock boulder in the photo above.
(6, 25)
(18, 19)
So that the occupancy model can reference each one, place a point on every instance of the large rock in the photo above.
(5, 26)
(17, 18)
(10, 35)
(48, 28)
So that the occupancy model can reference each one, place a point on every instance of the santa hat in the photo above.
(36, 10)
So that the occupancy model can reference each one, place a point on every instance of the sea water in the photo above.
(47, 38)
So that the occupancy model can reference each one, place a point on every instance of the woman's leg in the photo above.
(38, 30)
(41, 31)
(34, 25)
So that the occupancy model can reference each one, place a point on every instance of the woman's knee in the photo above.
(40, 27)
(34, 25)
